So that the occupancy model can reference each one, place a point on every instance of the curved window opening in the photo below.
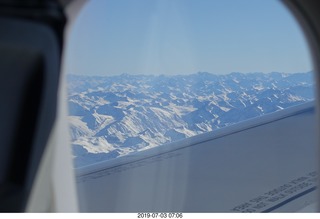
(148, 73)
(176, 106)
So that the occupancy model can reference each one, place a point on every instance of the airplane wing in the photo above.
(261, 165)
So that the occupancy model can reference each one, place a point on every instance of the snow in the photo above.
(134, 113)
(260, 108)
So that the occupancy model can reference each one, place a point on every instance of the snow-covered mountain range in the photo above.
(116, 115)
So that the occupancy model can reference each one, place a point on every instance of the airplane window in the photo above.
(143, 74)
(191, 106)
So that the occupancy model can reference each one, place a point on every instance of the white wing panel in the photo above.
(262, 165)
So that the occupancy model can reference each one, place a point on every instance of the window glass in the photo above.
(142, 74)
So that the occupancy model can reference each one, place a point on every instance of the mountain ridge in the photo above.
(117, 115)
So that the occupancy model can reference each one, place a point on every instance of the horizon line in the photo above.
(186, 74)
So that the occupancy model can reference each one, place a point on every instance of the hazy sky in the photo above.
(185, 36)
